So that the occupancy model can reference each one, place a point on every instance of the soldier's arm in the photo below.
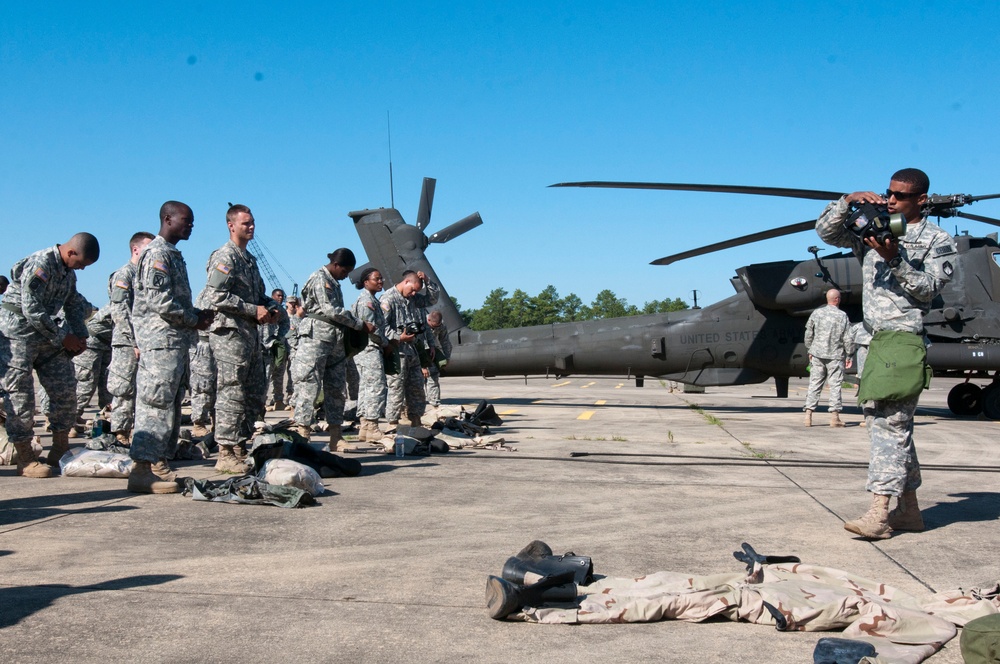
(336, 314)
(157, 283)
(830, 227)
(76, 310)
(120, 294)
(939, 264)
(32, 290)
(283, 324)
(810, 331)
(391, 324)
(445, 342)
(363, 311)
(428, 295)
(218, 293)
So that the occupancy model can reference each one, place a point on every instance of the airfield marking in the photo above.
(561, 384)
(600, 402)
(586, 415)
(619, 386)
(593, 382)
(508, 412)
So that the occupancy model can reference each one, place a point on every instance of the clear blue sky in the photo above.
(109, 109)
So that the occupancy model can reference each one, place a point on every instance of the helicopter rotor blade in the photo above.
(459, 227)
(811, 194)
(739, 241)
(426, 201)
(978, 217)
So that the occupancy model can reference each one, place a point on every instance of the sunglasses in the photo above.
(900, 195)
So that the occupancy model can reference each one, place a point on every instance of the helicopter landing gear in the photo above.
(991, 401)
(966, 399)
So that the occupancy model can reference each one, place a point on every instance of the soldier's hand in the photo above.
(136, 349)
(369, 328)
(263, 315)
(848, 363)
(888, 250)
(423, 277)
(405, 336)
(426, 373)
(73, 344)
(205, 319)
(865, 197)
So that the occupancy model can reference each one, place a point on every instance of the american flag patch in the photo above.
(121, 284)
(42, 274)
(223, 268)
(161, 266)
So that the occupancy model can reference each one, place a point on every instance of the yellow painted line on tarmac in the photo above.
(619, 386)
(586, 415)
(600, 402)
(507, 412)
(561, 384)
(593, 382)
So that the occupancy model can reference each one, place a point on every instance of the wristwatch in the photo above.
(895, 261)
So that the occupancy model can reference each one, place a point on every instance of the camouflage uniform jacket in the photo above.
(162, 313)
(896, 298)
(441, 341)
(828, 333)
(100, 327)
(274, 333)
(399, 311)
(324, 304)
(40, 286)
(860, 337)
(367, 309)
(234, 289)
(121, 292)
(293, 332)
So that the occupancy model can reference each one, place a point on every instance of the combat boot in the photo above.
(504, 597)
(874, 524)
(303, 430)
(906, 516)
(163, 470)
(60, 445)
(835, 421)
(391, 426)
(142, 479)
(228, 462)
(337, 442)
(28, 464)
(364, 430)
(199, 430)
(279, 404)
(416, 421)
(78, 429)
(809, 418)
(124, 438)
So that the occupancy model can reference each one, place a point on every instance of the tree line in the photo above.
(518, 309)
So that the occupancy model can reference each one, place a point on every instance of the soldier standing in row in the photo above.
(30, 339)
(202, 386)
(165, 321)
(442, 353)
(371, 366)
(401, 305)
(274, 339)
(295, 314)
(91, 366)
(827, 336)
(235, 292)
(320, 357)
(124, 352)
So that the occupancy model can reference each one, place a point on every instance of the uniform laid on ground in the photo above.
(91, 367)
(406, 387)
(536, 586)
(897, 294)
(826, 337)
(235, 291)
(372, 388)
(31, 340)
(442, 347)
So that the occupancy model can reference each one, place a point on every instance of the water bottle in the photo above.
(400, 447)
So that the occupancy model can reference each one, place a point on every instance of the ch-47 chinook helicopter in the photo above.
(753, 335)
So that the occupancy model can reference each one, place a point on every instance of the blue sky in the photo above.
(109, 109)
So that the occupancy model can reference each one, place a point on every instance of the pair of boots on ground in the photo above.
(535, 577)
(879, 521)
(835, 420)
(28, 463)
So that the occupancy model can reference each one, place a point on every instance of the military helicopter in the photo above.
(753, 335)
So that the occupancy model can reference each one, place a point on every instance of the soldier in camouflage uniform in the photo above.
(295, 314)
(401, 305)
(124, 352)
(165, 323)
(900, 279)
(274, 340)
(320, 354)
(202, 386)
(371, 366)
(91, 366)
(442, 353)
(235, 292)
(826, 338)
(861, 338)
(30, 339)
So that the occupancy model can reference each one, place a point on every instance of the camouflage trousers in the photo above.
(432, 387)
(893, 467)
(829, 371)
(160, 381)
(91, 369)
(319, 366)
(121, 385)
(372, 387)
(18, 357)
(406, 386)
(276, 366)
(240, 384)
(202, 382)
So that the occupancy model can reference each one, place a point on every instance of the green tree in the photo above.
(571, 308)
(547, 305)
(664, 306)
(464, 313)
(495, 312)
(609, 305)
(521, 313)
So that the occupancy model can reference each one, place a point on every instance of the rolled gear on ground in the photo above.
(285, 472)
(532, 564)
(94, 463)
(247, 490)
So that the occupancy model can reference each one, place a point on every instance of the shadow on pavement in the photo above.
(19, 510)
(983, 506)
(19, 602)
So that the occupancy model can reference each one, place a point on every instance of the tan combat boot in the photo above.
(364, 427)
(835, 420)
(60, 445)
(906, 516)
(809, 418)
(142, 479)
(199, 430)
(228, 462)
(337, 442)
(124, 438)
(874, 524)
(27, 462)
(303, 430)
(163, 470)
(392, 426)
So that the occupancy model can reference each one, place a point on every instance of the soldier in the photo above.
(320, 354)
(235, 292)
(827, 335)
(91, 366)
(441, 355)
(274, 339)
(371, 367)
(165, 323)
(401, 305)
(124, 352)
(860, 340)
(901, 278)
(295, 314)
(202, 386)
(30, 339)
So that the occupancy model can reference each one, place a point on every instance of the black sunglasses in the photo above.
(900, 195)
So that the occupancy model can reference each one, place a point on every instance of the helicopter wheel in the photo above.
(967, 399)
(991, 401)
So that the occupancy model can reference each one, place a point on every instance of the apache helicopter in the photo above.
(747, 338)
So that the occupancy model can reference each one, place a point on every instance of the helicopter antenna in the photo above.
(388, 131)
(695, 294)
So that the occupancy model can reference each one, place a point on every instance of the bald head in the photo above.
(833, 297)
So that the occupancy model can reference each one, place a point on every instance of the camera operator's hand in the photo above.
(865, 197)
(887, 251)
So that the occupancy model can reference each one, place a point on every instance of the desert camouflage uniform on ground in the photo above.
(826, 338)
(407, 385)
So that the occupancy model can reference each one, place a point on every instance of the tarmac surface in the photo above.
(392, 565)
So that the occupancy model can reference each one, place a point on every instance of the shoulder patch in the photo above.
(161, 266)
(121, 284)
(223, 268)
(327, 285)
(371, 305)
(42, 274)
(947, 268)
(386, 306)
(945, 250)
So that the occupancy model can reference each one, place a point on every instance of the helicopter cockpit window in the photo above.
(996, 257)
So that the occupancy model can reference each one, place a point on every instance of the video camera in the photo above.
(414, 328)
(871, 220)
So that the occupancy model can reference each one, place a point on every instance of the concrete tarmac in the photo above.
(392, 565)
